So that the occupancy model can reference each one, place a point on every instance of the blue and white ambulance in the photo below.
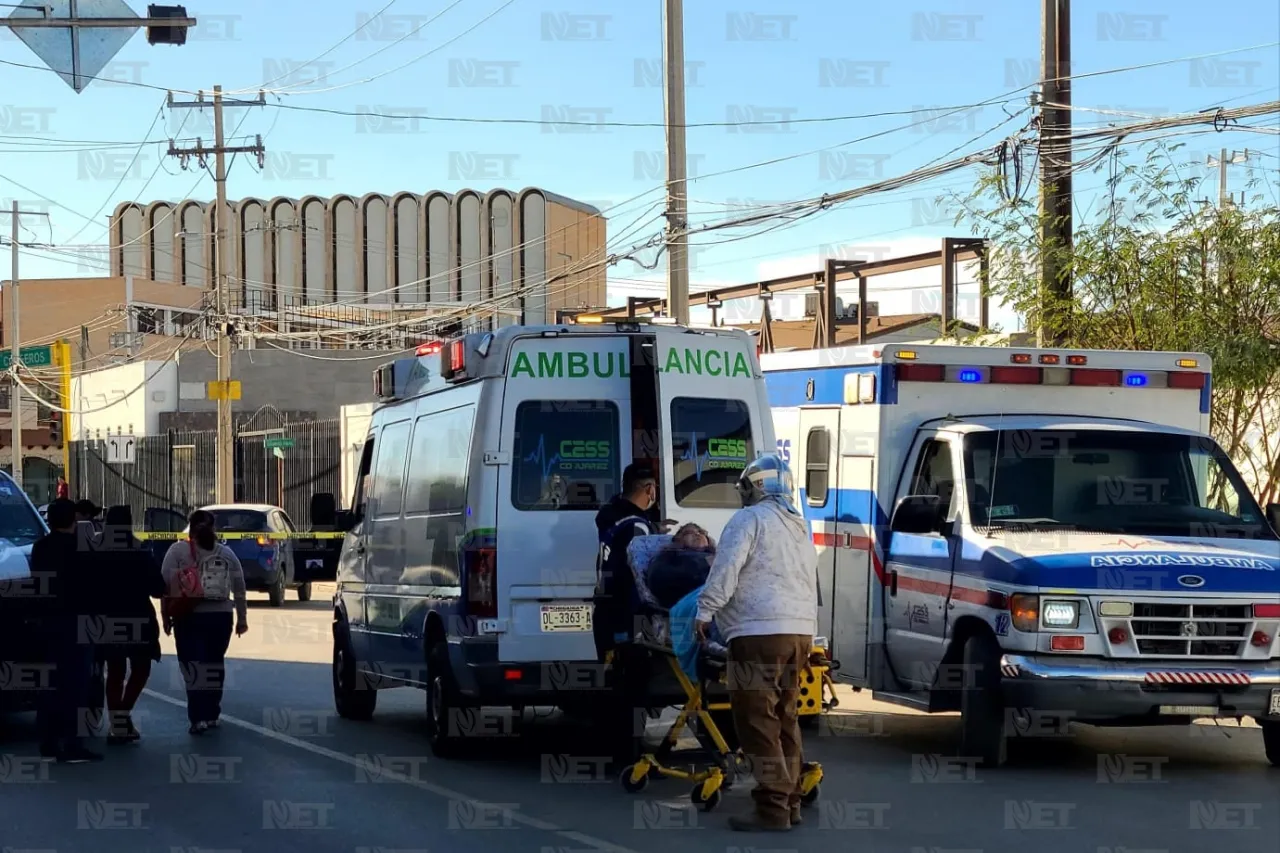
(1032, 535)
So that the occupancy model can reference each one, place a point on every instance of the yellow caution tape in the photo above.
(174, 537)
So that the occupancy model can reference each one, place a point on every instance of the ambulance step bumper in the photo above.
(1096, 690)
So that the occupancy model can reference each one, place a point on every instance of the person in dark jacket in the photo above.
(681, 567)
(130, 577)
(61, 569)
(623, 518)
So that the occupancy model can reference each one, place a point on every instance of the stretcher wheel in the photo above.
(809, 722)
(810, 797)
(705, 803)
(630, 785)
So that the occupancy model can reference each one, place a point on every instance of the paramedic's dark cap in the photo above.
(768, 476)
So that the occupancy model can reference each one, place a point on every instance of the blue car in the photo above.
(261, 546)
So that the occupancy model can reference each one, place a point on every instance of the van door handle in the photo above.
(893, 583)
(360, 548)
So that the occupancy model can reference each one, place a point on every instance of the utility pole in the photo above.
(225, 459)
(1056, 227)
(15, 396)
(1224, 197)
(677, 178)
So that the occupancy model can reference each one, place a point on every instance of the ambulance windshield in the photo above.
(1110, 481)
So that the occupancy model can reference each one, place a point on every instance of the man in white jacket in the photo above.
(763, 594)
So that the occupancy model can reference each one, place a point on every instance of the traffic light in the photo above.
(55, 430)
(166, 35)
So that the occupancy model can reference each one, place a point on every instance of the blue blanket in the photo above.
(684, 634)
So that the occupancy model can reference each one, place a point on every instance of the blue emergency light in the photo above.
(1135, 380)
(970, 376)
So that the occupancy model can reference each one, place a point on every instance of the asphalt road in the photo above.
(285, 774)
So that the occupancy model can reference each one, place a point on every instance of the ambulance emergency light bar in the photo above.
(1045, 369)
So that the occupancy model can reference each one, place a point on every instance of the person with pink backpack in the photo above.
(205, 587)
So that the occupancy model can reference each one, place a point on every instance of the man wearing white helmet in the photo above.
(763, 594)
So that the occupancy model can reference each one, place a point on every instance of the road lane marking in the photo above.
(429, 787)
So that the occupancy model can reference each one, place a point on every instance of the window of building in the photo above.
(566, 455)
(439, 461)
(711, 443)
(150, 321)
(388, 476)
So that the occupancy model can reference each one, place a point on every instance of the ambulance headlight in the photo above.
(1060, 614)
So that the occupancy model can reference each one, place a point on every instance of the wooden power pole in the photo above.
(226, 485)
(1055, 173)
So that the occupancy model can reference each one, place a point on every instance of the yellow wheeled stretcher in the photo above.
(702, 706)
(706, 703)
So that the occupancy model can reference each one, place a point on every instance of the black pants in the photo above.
(62, 707)
(202, 640)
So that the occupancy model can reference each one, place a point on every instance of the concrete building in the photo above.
(150, 397)
(514, 252)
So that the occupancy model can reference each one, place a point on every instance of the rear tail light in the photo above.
(1266, 611)
(921, 372)
(481, 566)
(1095, 378)
(1185, 379)
(1016, 375)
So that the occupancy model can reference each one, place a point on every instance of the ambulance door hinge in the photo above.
(497, 457)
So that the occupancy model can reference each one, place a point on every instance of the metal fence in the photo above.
(178, 471)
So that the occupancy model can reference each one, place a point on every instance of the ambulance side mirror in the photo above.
(1273, 516)
(918, 514)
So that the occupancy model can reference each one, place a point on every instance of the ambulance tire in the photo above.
(353, 697)
(981, 708)
(444, 705)
(1271, 740)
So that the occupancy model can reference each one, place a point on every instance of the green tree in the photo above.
(1157, 269)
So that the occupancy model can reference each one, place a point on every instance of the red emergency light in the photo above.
(1096, 378)
(430, 348)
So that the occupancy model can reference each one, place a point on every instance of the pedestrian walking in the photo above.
(204, 588)
(62, 490)
(60, 568)
(763, 594)
(129, 578)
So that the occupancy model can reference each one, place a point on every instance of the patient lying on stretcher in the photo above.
(670, 571)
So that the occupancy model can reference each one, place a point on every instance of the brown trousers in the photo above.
(764, 687)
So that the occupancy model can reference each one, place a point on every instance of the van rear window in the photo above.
(711, 443)
(566, 455)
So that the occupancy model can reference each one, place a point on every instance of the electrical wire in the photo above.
(286, 90)
(267, 84)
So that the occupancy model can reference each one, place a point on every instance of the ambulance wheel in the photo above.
(444, 705)
(1271, 740)
(630, 785)
(304, 592)
(353, 698)
(982, 732)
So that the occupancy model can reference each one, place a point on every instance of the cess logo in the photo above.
(570, 449)
(727, 447)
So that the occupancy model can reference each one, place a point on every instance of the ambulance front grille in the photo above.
(1191, 630)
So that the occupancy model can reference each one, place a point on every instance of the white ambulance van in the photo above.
(470, 563)
(1032, 537)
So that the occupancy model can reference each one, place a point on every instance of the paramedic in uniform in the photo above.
(763, 594)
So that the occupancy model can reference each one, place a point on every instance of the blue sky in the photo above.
(590, 62)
